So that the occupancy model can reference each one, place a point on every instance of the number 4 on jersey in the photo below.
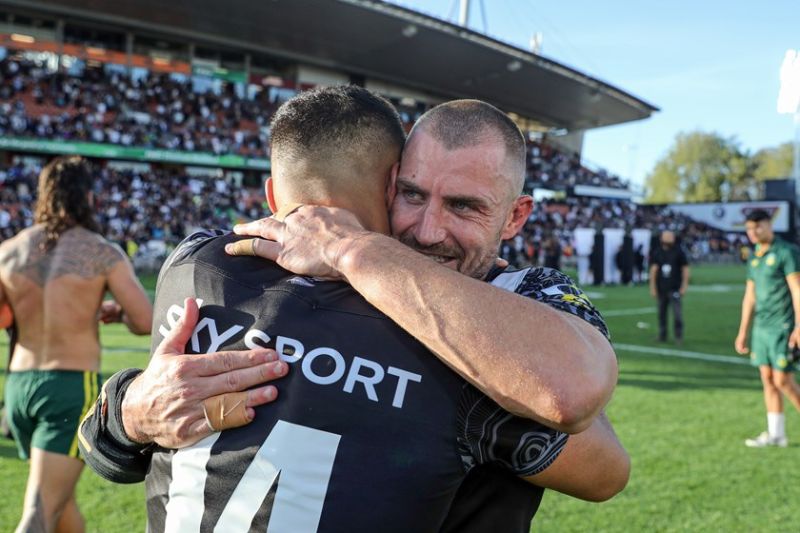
(302, 456)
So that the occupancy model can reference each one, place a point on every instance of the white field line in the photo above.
(627, 312)
(684, 354)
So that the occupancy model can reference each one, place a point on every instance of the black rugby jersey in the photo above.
(370, 432)
(490, 499)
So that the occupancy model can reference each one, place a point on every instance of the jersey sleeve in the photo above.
(655, 258)
(102, 440)
(490, 435)
(683, 258)
(557, 290)
(189, 245)
(791, 260)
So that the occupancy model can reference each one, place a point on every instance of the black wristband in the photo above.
(104, 445)
(116, 387)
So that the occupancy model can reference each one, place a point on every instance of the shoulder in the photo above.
(532, 280)
(553, 288)
(104, 251)
(788, 247)
(192, 244)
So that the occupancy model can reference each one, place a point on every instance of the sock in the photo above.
(776, 425)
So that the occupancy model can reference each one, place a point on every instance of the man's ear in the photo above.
(268, 188)
(520, 211)
(391, 186)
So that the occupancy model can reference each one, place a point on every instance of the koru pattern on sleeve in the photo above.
(489, 434)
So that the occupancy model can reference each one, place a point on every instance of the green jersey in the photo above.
(768, 270)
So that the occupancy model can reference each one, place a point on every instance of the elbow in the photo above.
(141, 326)
(585, 397)
(613, 483)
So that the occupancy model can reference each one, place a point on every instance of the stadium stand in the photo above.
(154, 111)
(150, 209)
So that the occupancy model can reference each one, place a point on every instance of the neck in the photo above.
(370, 213)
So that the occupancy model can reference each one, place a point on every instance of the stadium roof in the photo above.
(375, 39)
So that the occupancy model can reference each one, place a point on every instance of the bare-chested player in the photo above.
(54, 275)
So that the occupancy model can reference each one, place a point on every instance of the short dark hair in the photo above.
(757, 215)
(339, 118)
(464, 123)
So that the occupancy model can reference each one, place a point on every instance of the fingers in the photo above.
(175, 341)
(255, 247)
(238, 380)
(261, 396)
(212, 364)
(266, 228)
(200, 429)
(226, 411)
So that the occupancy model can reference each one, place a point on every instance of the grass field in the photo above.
(683, 420)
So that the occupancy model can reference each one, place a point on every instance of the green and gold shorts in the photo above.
(770, 347)
(45, 407)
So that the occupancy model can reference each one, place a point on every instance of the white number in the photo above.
(302, 456)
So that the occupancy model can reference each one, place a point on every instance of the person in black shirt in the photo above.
(669, 279)
(388, 469)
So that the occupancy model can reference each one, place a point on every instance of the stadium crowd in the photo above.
(137, 207)
(155, 111)
(550, 167)
(105, 105)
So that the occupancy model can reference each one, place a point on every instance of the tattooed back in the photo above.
(55, 296)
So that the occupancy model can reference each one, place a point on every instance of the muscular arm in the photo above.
(137, 311)
(593, 466)
(533, 360)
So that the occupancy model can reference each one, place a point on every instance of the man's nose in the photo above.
(431, 229)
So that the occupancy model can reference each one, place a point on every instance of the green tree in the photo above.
(702, 167)
(774, 162)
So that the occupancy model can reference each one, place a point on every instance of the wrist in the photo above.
(131, 425)
(350, 251)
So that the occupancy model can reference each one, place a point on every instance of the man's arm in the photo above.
(652, 279)
(593, 466)
(793, 281)
(136, 311)
(535, 361)
(684, 279)
(748, 307)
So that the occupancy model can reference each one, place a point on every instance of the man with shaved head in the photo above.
(669, 279)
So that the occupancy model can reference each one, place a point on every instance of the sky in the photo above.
(710, 65)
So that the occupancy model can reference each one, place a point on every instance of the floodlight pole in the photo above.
(796, 161)
(463, 17)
